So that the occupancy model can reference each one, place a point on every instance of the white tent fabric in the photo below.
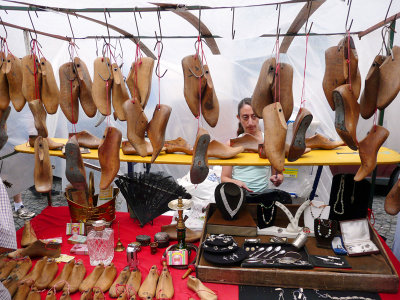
(234, 71)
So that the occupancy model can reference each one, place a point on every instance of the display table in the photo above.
(339, 156)
(51, 223)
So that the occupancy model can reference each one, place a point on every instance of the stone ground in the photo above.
(385, 224)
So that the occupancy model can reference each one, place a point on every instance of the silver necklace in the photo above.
(320, 213)
(339, 197)
(272, 212)
(327, 296)
(226, 204)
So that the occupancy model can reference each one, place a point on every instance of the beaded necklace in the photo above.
(267, 208)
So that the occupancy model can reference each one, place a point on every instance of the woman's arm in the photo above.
(276, 177)
(226, 176)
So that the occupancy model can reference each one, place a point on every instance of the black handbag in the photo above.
(348, 199)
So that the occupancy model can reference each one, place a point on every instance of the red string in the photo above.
(348, 57)
(108, 105)
(138, 56)
(202, 56)
(304, 74)
(72, 108)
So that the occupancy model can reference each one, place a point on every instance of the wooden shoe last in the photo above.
(128, 149)
(31, 87)
(3, 126)
(102, 83)
(282, 88)
(368, 149)
(275, 129)
(69, 92)
(4, 93)
(300, 126)
(75, 278)
(48, 274)
(86, 139)
(148, 288)
(136, 125)
(262, 95)
(220, 150)
(369, 96)
(157, 127)
(346, 115)
(38, 249)
(28, 235)
(139, 79)
(37, 270)
(247, 141)
(14, 79)
(119, 92)
(121, 281)
(133, 283)
(200, 289)
(39, 116)
(59, 282)
(53, 145)
(165, 287)
(199, 168)
(392, 201)
(75, 169)
(389, 81)
(85, 88)
(34, 294)
(49, 89)
(209, 100)
(43, 173)
(178, 145)
(21, 268)
(90, 281)
(318, 141)
(109, 156)
(106, 278)
(23, 290)
(7, 268)
(192, 71)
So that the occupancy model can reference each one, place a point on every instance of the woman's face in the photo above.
(248, 119)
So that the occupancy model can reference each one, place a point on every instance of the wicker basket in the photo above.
(88, 214)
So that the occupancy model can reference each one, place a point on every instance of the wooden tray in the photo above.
(372, 273)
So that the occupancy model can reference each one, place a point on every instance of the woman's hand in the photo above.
(276, 179)
(242, 185)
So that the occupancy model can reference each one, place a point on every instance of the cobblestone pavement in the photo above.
(385, 224)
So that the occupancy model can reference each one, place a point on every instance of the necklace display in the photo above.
(329, 225)
(339, 197)
(327, 296)
(318, 207)
(267, 208)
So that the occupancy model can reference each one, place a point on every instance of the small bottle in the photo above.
(100, 243)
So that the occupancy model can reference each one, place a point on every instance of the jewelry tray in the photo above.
(371, 273)
(356, 237)
(274, 262)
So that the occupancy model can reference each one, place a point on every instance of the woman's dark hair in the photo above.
(242, 102)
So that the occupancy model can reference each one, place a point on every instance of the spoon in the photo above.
(279, 253)
(276, 249)
(261, 249)
(263, 252)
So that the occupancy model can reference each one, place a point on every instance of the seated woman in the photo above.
(251, 178)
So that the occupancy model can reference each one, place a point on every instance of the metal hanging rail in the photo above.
(166, 7)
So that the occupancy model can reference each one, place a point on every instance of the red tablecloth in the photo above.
(51, 223)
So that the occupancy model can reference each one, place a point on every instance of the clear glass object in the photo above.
(100, 242)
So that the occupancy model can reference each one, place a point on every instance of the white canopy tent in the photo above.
(234, 71)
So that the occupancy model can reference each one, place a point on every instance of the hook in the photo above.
(233, 22)
(70, 26)
(159, 23)
(97, 48)
(387, 12)
(279, 17)
(108, 30)
(33, 26)
(348, 13)
(137, 28)
(2, 23)
(199, 20)
(159, 42)
(108, 69)
(309, 5)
